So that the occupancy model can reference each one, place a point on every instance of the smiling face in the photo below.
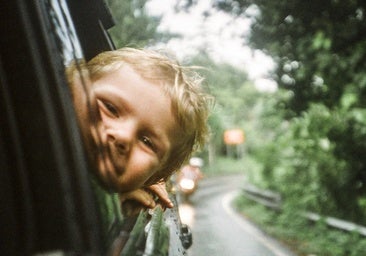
(141, 115)
(136, 128)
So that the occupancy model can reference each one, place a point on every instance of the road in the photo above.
(217, 229)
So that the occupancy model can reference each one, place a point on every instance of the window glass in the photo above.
(69, 47)
(72, 55)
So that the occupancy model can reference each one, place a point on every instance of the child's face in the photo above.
(137, 128)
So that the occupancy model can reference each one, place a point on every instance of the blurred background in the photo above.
(289, 78)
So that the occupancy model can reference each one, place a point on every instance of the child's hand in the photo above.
(159, 189)
(134, 201)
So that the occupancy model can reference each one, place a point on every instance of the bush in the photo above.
(301, 235)
(313, 165)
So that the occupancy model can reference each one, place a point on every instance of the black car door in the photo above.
(46, 200)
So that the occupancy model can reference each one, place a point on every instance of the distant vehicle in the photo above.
(49, 205)
(189, 177)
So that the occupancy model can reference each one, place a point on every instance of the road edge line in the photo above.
(248, 227)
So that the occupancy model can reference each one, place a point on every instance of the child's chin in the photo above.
(108, 177)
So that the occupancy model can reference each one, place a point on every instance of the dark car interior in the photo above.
(48, 205)
(44, 173)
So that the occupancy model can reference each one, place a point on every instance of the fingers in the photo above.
(134, 201)
(159, 190)
(140, 196)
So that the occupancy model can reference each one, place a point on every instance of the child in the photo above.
(142, 118)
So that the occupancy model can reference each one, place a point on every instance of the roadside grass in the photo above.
(300, 235)
(303, 237)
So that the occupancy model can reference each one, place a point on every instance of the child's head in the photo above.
(166, 101)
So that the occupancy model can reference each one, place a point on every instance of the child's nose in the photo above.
(122, 137)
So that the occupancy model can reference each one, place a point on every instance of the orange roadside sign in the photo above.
(234, 136)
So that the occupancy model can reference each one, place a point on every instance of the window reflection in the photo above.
(70, 52)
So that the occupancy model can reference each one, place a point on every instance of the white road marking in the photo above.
(227, 199)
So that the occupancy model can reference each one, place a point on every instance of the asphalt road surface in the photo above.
(217, 229)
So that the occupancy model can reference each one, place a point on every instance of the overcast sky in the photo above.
(222, 36)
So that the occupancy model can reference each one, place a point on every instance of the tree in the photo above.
(319, 46)
(226, 84)
(320, 51)
(133, 27)
(237, 102)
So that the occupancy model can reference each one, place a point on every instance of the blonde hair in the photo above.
(190, 104)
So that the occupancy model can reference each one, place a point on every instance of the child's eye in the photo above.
(147, 141)
(111, 108)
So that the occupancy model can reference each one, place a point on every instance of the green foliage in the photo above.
(235, 98)
(229, 87)
(133, 27)
(311, 150)
(299, 234)
(310, 166)
(318, 46)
